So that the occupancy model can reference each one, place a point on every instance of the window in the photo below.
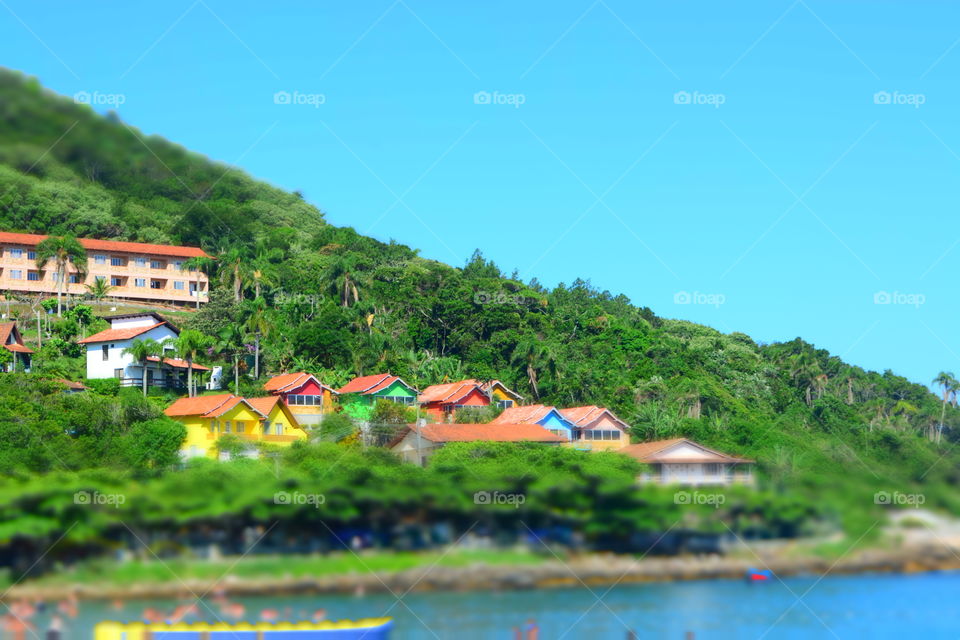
(33, 275)
(279, 429)
(241, 426)
(157, 264)
(156, 284)
(116, 281)
(139, 282)
(140, 262)
(712, 469)
(178, 265)
(178, 285)
(305, 400)
(117, 373)
(116, 262)
(16, 253)
(504, 404)
(105, 350)
(399, 399)
(73, 278)
(31, 255)
(226, 427)
(16, 274)
(100, 259)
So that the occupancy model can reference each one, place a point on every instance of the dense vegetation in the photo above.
(328, 300)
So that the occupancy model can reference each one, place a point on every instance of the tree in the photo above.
(198, 265)
(64, 251)
(99, 290)
(190, 343)
(231, 345)
(949, 385)
(532, 354)
(141, 350)
(804, 370)
(232, 272)
(259, 322)
(155, 444)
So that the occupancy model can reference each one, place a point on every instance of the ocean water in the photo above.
(864, 606)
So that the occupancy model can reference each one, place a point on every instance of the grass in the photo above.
(141, 572)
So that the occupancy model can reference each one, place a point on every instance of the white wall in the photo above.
(97, 367)
(135, 321)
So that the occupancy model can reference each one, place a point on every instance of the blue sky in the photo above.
(772, 167)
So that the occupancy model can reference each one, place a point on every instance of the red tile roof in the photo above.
(485, 433)
(31, 239)
(6, 328)
(585, 416)
(177, 362)
(288, 381)
(108, 335)
(367, 385)
(76, 386)
(529, 414)
(651, 452)
(450, 392)
(207, 406)
(488, 387)
(264, 405)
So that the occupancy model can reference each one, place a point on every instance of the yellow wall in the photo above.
(201, 440)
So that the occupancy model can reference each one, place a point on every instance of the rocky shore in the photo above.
(596, 570)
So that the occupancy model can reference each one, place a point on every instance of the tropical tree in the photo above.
(259, 322)
(190, 343)
(99, 290)
(532, 354)
(141, 350)
(198, 265)
(64, 251)
(948, 385)
(231, 344)
(232, 271)
(804, 370)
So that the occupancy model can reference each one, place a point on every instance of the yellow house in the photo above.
(207, 418)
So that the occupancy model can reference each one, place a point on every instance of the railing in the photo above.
(153, 382)
(697, 480)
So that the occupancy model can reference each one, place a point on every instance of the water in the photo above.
(870, 606)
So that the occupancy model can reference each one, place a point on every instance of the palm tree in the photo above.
(198, 264)
(532, 354)
(232, 271)
(99, 290)
(341, 279)
(142, 350)
(259, 322)
(230, 344)
(63, 250)
(804, 370)
(949, 384)
(188, 345)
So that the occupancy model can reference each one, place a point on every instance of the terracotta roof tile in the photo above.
(108, 335)
(487, 433)
(585, 416)
(177, 362)
(207, 406)
(289, 381)
(450, 392)
(367, 385)
(32, 240)
(650, 452)
(529, 414)
(6, 328)
(264, 405)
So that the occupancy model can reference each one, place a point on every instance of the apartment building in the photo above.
(134, 270)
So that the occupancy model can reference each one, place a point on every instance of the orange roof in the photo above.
(206, 406)
(108, 335)
(288, 381)
(264, 405)
(529, 414)
(76, 386)
(585, 416)
(31, 239)
(177, 362)
(488, 387)
(650, 452)
(484, 433)
(450, 392)
(6, 328)
(367, 385)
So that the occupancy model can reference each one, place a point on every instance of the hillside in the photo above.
(340, 304)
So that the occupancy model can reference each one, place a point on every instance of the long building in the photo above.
(134, 270)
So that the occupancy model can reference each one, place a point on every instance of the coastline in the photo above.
(592, 570)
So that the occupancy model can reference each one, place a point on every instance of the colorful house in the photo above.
(417, 444)
(500, 396)
(596, 428)
(12, 341)
(547, 417)
(683, 461)
(358, 396)
(255, 420)
(306, 397)
(441, 400)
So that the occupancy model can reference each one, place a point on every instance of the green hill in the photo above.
(340, 304)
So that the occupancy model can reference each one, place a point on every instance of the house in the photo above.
(683, 461)
(358, 396)
(417, 444)
(547, 417)
(306, 397)
(12, 341)
(134, 270)
(596, 427)
(441, 400)
(70, 386)
(500, 396)
(255, 420)
(106, 357)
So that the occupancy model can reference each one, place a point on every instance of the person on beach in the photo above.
(55, 630)
(269, 615)
(532, 631)
(319, 615)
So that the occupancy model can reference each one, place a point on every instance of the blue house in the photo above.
(549, 418)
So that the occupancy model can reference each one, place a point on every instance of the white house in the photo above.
(683, 461)
(106, 357)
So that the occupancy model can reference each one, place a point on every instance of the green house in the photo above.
(360, 394)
